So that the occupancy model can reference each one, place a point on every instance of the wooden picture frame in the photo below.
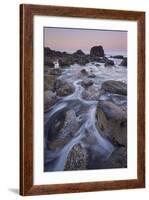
(27, 12)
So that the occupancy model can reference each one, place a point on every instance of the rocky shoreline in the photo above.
(79, 112)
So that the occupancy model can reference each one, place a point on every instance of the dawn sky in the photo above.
(70, 40)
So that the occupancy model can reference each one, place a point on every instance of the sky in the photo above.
(70, 40)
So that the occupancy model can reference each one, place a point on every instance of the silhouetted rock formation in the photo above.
(97, 51)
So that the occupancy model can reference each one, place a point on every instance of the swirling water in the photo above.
(54, 160)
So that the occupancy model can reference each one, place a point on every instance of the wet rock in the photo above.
(71, 124)
(91, 93)
(116, 87)
(48, 52)
(48, 63)
(91, 75)
(64, 88)
(124, 62)
(54, 71)
(97, 65)
(118, 159)
(84, 72)
(63, 130)
(49, 99)
(66, 61)
(112, 122)
(118, 57)
(77, 158)
(109, 63)
(79, 53)
(86, 83)
(82, 61)
(49, 82)
(97, 51)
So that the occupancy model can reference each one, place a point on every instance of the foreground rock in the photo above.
(91, 93)
(112, 122)
(118, 159)
(116, 87)
(124, 62)
(56, 72)
(49, 99)
(64, 88)
(77, 158)
(109, 63)
(84, 72)
(63, 129)
(97, 51)
(49, 82)
(86, 83)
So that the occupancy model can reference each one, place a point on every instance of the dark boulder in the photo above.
(77, 158)
(118, 57)
(54, 71)
(124, 62)
(64, 88)
(84, 72)
(118, 159)
(86, 83)
(66, 61)
(63, 129)
(97, 51)
(52, 53)
(49, 82)
(91, 93)
(79, 53)
(116, 87)
(49, 99)
(109, 63)
(112, 122)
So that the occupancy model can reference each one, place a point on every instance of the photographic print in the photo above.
(85, 99)
(82, 99)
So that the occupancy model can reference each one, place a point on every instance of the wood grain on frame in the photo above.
(26, 99)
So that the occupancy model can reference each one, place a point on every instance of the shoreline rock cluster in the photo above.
(111, 111)
(66, 59)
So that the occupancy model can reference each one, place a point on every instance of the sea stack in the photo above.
(97, 51)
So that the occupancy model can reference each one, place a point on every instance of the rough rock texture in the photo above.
(124, 62)
(77, 158)
(81, 60)
(49, 99)
(53, 71)
(84, 72)
(116, 87)
(118, 57)
(109, 63)
(97, 51)
(86, 83)
(91, 93)
(79, 53)
(63, 88)
(118, 159)
(62, 130)
(112, 122)
(66, 61)
(49, 81)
